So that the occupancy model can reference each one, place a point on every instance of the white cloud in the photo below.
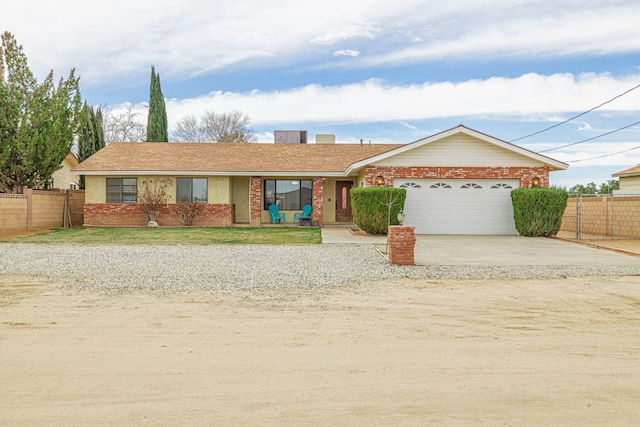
(346, 52)
(111, 41)
(533, 96)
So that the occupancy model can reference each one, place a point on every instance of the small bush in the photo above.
(538, 211)
(372, 207)
(188, 212)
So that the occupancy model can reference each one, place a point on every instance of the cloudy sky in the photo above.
(384, 71)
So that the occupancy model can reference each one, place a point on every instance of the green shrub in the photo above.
(370, 207)
(538, 211)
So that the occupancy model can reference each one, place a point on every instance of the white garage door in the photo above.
(459, 206)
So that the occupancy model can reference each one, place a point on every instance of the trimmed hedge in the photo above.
(370, 207)
(538, 211)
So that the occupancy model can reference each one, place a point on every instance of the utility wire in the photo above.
(604, 155)
(590, 139)
(575, 117)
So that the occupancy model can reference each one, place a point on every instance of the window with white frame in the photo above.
(191, 190)
(122, 190)
(288, 194)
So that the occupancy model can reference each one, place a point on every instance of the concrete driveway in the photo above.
(511, 250)
(490, 250)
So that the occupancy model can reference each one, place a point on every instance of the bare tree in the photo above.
(188, 130)
(213, 127)
(152, 197)
(123, 126)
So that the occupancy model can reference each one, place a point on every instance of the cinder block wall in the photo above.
(35, 209)
(47, 209)
(13, 212)
(605, 216)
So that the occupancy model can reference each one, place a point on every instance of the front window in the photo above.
(191, 190)
(122, 190)
(287, 194)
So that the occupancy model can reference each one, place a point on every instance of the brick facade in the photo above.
(127, 215)
(390, 173)
(402, 242)
(256, 200)
(318, 201)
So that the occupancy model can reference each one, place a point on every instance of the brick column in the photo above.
(318, 200)
(402, 241)
(256, 200)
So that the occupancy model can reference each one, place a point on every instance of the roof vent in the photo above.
(325, 138)
(290, 136)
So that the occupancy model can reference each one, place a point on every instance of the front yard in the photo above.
(174, 236)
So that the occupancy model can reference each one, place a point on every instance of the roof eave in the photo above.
(207, 173)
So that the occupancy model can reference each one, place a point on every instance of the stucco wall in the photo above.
(218, 188)
(62, 178)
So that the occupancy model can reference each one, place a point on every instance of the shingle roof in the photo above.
(629, 172)
(229, 158)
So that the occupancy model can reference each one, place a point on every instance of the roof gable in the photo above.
(461, 146)
(634, 171)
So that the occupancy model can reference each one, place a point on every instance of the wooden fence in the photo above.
(40, 209)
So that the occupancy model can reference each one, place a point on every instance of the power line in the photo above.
(590, 139)
(604, 155)
(579, 115)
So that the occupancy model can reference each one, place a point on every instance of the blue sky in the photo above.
(378, 70)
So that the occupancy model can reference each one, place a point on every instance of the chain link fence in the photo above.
(597, 217)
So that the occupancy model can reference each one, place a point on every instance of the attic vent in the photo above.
(290, 136)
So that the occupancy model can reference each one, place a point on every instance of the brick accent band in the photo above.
(390, 173)
(113, 214)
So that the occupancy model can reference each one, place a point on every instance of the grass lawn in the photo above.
(174, 236)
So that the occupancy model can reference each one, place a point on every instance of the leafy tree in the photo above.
(90, 135)
(38, 121)
(609, 186)
(592, 188)
(157, 128)
(122, 127)
(213, 127)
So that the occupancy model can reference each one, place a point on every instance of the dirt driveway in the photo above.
(523, 352)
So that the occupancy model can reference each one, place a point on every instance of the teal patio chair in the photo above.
(306, 212)
(276, 216)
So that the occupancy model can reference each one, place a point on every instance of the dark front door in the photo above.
(343, 201)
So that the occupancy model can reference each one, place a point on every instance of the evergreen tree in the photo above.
(38, 121)
(90, 135)
(157, 128)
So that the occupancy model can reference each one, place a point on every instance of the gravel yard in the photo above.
(310, 335)
(243, 267)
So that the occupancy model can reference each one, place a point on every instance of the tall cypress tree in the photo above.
(90, 135)
(157, 128)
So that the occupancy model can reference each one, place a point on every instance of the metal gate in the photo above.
(597, 216)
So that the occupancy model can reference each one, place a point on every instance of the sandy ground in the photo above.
(561, 352)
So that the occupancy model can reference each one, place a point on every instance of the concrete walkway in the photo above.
(490, 250)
